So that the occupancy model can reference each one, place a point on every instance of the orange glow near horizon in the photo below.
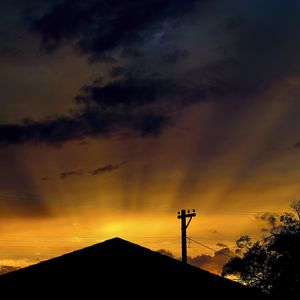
(139, 200)
(42, 239)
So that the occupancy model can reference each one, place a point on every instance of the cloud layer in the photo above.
(212, 263)
(98, 28)
(159, 57)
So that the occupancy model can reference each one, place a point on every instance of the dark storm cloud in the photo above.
(97, 28)
(53, 131)
(260, 37)
(161, 58)
(145, 104)
(90, 123)
(139, 106)
(135, 92)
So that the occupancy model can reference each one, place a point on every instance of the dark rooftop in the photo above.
(121, 269)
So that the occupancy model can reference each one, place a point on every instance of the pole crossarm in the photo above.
(183, 213)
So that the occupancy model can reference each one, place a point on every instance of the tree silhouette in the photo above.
(272, 264)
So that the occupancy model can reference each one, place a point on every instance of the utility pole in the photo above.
(183, 215)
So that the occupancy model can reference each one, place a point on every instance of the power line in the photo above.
(209, 247)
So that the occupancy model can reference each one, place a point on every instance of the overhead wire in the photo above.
(207, 247)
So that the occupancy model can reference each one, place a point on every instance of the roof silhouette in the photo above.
(117, 268)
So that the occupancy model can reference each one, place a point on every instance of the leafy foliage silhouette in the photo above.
(272, 264)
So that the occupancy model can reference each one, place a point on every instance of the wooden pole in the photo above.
(183, 216)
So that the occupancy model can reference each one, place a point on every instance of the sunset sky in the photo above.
(116, 114)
